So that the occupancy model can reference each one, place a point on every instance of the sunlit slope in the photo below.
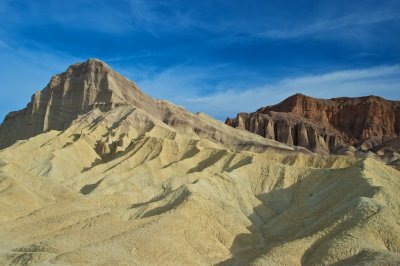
(122, 187)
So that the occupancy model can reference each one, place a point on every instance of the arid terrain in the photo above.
(330, 126)
(95, 172)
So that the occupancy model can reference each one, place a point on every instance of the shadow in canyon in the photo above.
(309, 206)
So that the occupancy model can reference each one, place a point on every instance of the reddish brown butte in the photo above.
(325, 126)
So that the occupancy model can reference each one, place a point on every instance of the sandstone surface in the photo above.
(149, 183)
(93, 85)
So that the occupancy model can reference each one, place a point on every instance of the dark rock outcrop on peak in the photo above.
(325, 126)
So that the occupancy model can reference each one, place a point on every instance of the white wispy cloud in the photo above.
(320, 26)
(353, 27)
(99, 16)
(185, 88)
(135, 56)
(123, 17)
(3, 44)
(176, 83)
(158, 17)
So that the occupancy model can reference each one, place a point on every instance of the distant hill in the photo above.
(325, 125)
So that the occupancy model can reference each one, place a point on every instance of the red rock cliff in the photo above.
(325, 125)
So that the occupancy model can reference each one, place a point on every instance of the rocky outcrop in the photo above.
(83, 87)
(288, 129)
(325, 126)
(92, 89)
(388, 151)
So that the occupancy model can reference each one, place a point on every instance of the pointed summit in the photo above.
(80, 89)
(90, 65)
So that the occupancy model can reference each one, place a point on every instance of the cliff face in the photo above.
(83, 87)
(325, 125)
(92, 89)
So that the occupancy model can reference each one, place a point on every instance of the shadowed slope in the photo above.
(123, 187)
(157, 185)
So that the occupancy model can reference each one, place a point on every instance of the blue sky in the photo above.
(218, 57)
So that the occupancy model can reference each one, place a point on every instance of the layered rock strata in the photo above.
(94, 86)
(325, 125)
(83, 87)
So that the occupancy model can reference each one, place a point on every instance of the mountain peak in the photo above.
(81, 88)
(94, 61)
(299, 95)
(90, 65)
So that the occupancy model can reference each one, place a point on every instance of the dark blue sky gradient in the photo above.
(217, 57)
